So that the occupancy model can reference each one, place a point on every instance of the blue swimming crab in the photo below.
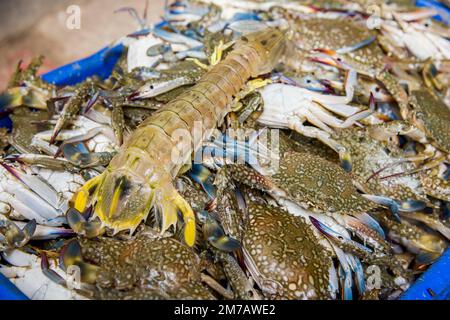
(321, 193)
(425, 245)
(26, 88)
(282, 253)
(147, 266)
(380, 167)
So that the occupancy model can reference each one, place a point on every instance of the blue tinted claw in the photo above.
(80, 225)
(203, 177)
(386, 202)
(359, 273)
(372, 223)
(215, 234)
(345, 277)
(412, 206)
(337, 237)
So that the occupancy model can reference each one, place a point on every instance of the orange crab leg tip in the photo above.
(326, 51)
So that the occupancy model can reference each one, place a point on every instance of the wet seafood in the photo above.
(140, 176)
(274, 150)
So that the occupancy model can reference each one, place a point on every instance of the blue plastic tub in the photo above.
(433, 284)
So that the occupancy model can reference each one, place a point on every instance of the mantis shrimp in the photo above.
(141, 175)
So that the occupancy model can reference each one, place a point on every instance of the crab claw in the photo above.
(15, 236)
(91, 102)
(371, 223)
(80, 225)
(373, 237)
(48, 162)
(346, 160)
(31, 97)
(49, 273)
(35, 184)
(203, 177)
(71, 256)
(412, 206)
(150, 90)
(430, 221)
(85, 160)
(337, 237)
(386, 202)
(48, 233)
(215, 234)
(73, 107)
(252, 178)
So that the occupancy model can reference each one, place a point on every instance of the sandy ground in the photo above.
(33, 27)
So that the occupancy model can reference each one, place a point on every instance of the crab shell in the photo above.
(147, 267)
(370, 156)
(432, 116)
(319, 184)
(284, 257)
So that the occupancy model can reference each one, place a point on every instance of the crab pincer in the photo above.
(14, 236)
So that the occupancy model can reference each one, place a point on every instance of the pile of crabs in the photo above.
(327, 180)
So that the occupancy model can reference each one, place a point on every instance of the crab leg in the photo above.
(16, 237)
(40, 188)
(33, 199)
(430, 221)
(43, 146)
(227, 294)
(216, 236)
(387, 202)
(83, 160)
(43, 161)
(307, 114)
(325, 138)
(46, 232)
(72, 107)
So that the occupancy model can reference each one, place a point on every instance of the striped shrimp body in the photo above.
(141, 175)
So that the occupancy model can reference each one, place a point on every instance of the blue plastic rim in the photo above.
(434, 284)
